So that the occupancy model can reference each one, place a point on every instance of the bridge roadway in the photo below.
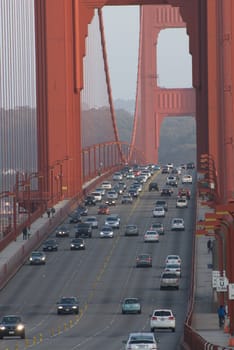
(101, 276)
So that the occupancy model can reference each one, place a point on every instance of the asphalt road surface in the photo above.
(101, 277)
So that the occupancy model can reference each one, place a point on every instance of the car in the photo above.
(123, 185)
(37, 258)
(159, 212)
(75, 218)
(141, 340)
(151, 236)
(112, 195)
(187, 179)
(157, 226)
(170, 165)
(118, 189)
(177, 224)
(101, 190)
(133, 192)
(144, 260)
(173, 259)
(90, 201)
(107, 185)
(106, 232)
(68, 305)
(162, 319)
(153, 186)
(138, 186)
(50, 245)
(62, 231)
(190, 165)
(131, 306)
(12, 326)
(181, 203)
(77, 244)
(97, 195)
(82, 210)
(131, 230)
(184, 193)
(166, 192)
(127, 199)
(165, 170)
(110, 202)
(169, 280)
(92, 220)
(173, 267)
(130, 176)
(162, 203)
(103, 209)
(172, 181)
(83, 230)
(117, 176)
(113, 221)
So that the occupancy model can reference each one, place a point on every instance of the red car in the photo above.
(104, 209)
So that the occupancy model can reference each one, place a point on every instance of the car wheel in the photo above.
(23, 336)
(152, 329)
(173, 330)
(139, 312)
(58, 312)
(77, 312)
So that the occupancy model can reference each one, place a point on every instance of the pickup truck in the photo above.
(83, 230)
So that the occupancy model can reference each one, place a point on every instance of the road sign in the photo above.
(231, 291)
(215, 275)
(222, 284)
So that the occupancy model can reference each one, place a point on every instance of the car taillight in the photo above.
(171, 317)
(153, 318)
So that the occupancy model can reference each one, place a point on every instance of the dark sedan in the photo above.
(68, 305)
(12, 326)
(50, 245)
(77, 244)
(144, 260)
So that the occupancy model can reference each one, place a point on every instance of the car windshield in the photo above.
(141, 340)
(37, 254)
(162, 313)
(131, 301)
(68, 301)
(11, 319)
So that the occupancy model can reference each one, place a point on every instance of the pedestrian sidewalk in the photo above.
(205, 318)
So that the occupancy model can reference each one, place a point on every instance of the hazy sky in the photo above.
(174, 60)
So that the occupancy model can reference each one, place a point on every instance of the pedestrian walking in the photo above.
(53, 211)
(28, 232)
(25, 233)
(221, 315)
(209, 245)
(48, 211)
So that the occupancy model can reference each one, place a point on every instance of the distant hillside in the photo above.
(177, 135)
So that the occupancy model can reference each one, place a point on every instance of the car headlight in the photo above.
(74, 307)
(20, 327)
(43, 258)
(30, 258)
(2, 328)
(72, 245)
(60, 307)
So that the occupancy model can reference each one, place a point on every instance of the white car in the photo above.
(107, 185)
(162, 319)
(173, 267)
(107, 232)
(151, 236)
(117, 176)
(181, 203)
(173, 259)
(177, 224)
(159, 212)
(112, 195)
(92, 220)
(97, 195)
(113, 221)
(141, 340)
(187, 179)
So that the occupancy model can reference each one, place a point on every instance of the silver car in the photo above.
(37, 258)
(92, 220)
(169, 280)
(177, 224)
(131, 230)
(162, 319)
